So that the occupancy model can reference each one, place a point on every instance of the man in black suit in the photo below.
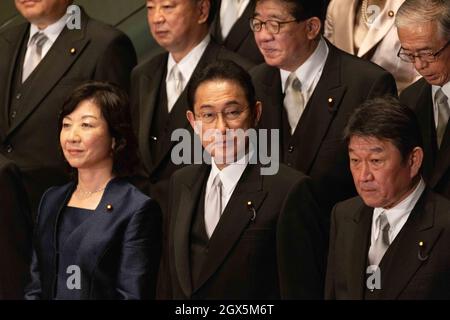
(15, 232)
(425, 38)
(158, 98)
(391, 242)
(42, 62)
(231, 27)
(232, 233)
(308, 89)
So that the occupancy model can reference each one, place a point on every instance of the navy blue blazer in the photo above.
(117, 248)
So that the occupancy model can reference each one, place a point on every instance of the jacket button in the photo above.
(9, 148)
(291, 149)
(289, 164)
(153, 138)
(18, 96)
(13, 114)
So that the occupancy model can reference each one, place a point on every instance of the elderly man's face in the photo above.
(42, 12)
(381, 178)
(174, 23)
(425, 37)
(220, 108)
(286, 49)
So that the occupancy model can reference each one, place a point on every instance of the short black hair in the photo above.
(114, 106)
(223, 70)
(305, 9)
(385, 118)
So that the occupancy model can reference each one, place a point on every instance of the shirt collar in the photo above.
(188, 64)
(445, 89)
(307, 72)
(395, 214)
(52, 31)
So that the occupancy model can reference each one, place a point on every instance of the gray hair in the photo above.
(423, 11)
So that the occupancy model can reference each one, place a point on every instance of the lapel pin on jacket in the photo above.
(109, 207)
(330, 102)
(251, 208)
(73, 51)
(420, 254)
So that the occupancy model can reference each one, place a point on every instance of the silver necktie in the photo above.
(174, 87)
(294, 102)
(381, 244)
(443, 115)
(36, 43)
(213, 206)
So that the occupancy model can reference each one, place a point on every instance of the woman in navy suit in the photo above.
(98, 237)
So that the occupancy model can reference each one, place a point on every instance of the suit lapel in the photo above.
(320, 110)
(442, 164)
(271, 93)
(56, 63)
(234, 220)
(12, 55)
(149, 86)
(236, 35)
(380, 27)
(190, 193)
(358, 252)
(400, 264)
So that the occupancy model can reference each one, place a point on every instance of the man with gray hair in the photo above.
(424, 33)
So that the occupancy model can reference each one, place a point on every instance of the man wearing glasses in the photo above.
(308, 89)
(230, 226)
(424, 33)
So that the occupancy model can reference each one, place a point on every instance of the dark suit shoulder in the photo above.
(148, 66)
(226, 54)
(286, 176)
(412, 92)
(442, 208)
(349, 207)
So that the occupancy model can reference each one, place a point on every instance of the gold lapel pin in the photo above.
(251, 208)
(109, 207)
(330, 101)
(420, 253)
(73, 51)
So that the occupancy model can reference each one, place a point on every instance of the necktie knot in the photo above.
(441, 97)
(293, 82)
(294, 102)
(382, 242)
(37, 42)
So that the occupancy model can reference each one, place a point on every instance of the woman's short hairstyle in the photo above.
(114, 106)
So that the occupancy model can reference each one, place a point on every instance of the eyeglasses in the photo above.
(424, 56)
(230, 114)
(272, 26)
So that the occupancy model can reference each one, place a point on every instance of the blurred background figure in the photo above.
(15, 232)
(424, 32)
(43, 60)
(366, 29)
(108, 234)
(231, 27)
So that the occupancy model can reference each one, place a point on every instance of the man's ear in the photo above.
(191, 118)
(204, 7)
(313, 28)
(415, 161)
(258, 112)
(113, 143)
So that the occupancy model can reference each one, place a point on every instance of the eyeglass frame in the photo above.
(199, 115)
(278, 23)
(431, 54)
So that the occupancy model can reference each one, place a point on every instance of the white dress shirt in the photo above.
(229, 176)
(186, 65)
(398, 215)
(446, 90)
(310, 71)
(52, 32)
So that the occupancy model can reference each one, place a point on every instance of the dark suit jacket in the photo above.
(146, 84)
(101, 53)
(278, 254)
(403, 274)
(240, 39)
(117, 250)
(436, 167)
(317, 147)
(15, 232)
